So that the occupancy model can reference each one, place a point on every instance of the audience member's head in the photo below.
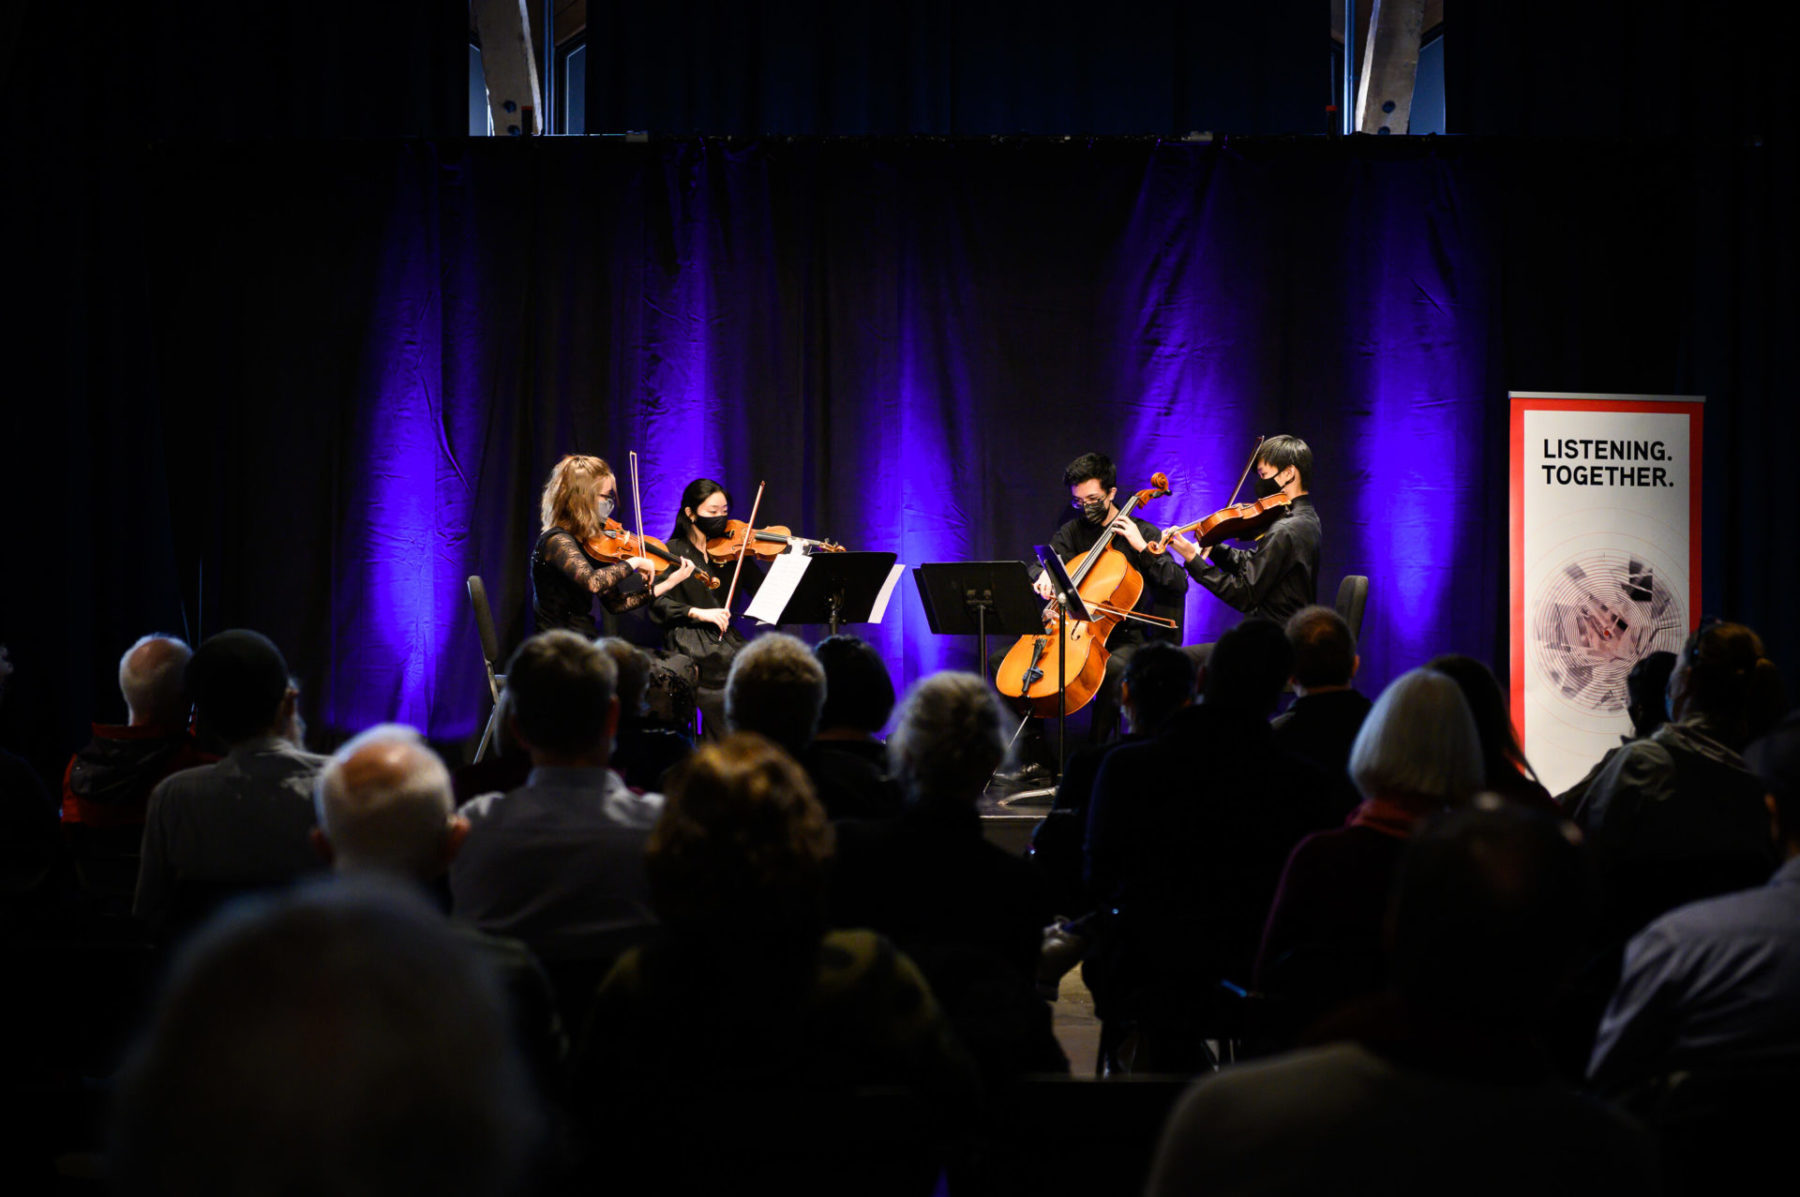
(741, 846)
(1418, 746)
(151, 679)
(561, 689)
(1647, 690)
(384, 805)
(1249, 668)
(1324, 650)
(1724, 677)
(337, 1040)
(859, 694)
(776, 688)
(949, 738)
(1159, 680)
(1500, 751)
(6, 668)
(1491, 911)
(239, 681)
(633, 667)
(1776, 759)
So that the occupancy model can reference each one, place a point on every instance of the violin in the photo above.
(1110, 587)
(616, 544)
(764, 543)
(1234, 521)
(1240, 521)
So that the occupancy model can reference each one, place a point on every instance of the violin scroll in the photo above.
(1159, 486)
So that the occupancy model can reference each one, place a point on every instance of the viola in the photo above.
(1240, 521)
(764, 543)
(616, 544)
(1110, 587)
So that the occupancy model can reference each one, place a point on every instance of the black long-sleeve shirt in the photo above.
(1162, 576)
(1276, 578)
(564, 581)
(696, 639)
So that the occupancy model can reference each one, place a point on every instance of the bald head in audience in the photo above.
(150, 678)
(384, 805)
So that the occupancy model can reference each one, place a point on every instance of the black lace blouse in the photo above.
(564, 581)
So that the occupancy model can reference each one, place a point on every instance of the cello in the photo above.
(1110, 587)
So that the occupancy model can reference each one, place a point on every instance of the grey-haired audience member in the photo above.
(336, 1040)
(971, 914)
(246, 821)
(1444, 1085)
(1419, 747)
(1418, 753)
(385, 809)
(384, 805)
(948, 740)
(776, 689)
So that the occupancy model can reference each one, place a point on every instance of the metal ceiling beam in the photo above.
(1390, 65)
(509, 67)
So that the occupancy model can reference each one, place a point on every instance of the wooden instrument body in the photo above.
(1030, 670)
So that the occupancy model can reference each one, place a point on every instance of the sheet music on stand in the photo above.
(828, 588)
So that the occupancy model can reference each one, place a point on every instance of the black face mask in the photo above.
(1094, 513)
(1268, 486)
(711, 526)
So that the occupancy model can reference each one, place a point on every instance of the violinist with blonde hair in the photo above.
(565, 579)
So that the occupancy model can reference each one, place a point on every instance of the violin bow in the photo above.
(749, 531)
(637, 504)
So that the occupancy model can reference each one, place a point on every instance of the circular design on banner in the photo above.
(1599, 614)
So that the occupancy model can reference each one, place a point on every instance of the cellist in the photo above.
(1281, 574)
(1092, 480)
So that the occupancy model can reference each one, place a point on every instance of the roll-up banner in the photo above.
(1605, 562)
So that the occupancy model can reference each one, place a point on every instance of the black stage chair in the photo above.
(1352, 597)
(490, 658)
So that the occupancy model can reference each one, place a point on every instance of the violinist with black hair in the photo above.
(1281, 574)
(692, 615)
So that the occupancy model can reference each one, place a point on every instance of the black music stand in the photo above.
(838, 588)
(1069, 603)
(973, 598)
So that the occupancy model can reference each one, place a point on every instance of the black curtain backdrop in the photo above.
(331, 377)
(956, 67)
